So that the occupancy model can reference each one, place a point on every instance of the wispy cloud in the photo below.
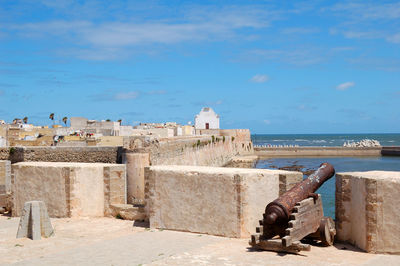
(344, 86)
(157, 92)
(259, 78)
(126, 95)
(390, 64)
(366, 20)
(367, 10)
(202, 24)
(267, 122)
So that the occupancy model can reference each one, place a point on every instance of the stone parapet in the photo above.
(213, 200)
(367, 210)
(214, 150)
(61, 154)
(68, 189)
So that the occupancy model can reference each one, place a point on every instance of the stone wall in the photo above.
(213, 200)
(61, 154)
(199, 150)
(367, 213)
(5, 181)
(68, 189)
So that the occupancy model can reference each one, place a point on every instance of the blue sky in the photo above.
(271, 66)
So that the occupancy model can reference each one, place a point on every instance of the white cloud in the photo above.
(126, 95)
(267, 122)
(345, 86)
(259, 78)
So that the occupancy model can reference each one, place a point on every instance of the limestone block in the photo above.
(367, 213)
(128, 212)
(114, 187)
(5, 172)
(5, 181)
(35, 221)
(68, 189)
(288, 179)
(213, 200)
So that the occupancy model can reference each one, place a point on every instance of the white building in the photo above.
(206, 119)
(105, 128)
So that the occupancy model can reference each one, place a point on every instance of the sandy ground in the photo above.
(107, 241)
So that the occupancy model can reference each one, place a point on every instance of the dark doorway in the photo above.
(207, 126)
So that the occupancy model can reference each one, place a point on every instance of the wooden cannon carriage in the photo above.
(296, 215)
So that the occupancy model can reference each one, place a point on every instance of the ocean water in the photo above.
(341, 164)
(323, 139)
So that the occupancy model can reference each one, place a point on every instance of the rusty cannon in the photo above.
(295, 215)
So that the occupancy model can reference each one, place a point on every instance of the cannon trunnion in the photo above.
(296, 214)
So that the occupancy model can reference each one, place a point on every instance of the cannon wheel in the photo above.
(327, 231)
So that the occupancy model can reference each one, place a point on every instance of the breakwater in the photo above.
(273, 152)
(391, 151)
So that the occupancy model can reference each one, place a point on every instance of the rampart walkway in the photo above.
(108, 241)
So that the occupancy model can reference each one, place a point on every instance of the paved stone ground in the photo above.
(107, 241)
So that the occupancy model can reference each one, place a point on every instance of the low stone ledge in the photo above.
(212, 200)
(367, 213)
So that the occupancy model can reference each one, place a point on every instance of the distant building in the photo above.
(105, 128)
(206, 119)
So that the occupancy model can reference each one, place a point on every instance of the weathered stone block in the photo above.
(367, 213)
(68, 189)
(35, 221)
(213, 200)
(128, 212)
(5, 182)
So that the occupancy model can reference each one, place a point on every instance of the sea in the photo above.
(341, 164)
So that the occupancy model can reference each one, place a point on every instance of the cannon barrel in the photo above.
(277, 213)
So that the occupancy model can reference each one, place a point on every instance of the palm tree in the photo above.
(65, 119)
(25, 120)
(108, 120)
(120, 121)
(51, 117)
